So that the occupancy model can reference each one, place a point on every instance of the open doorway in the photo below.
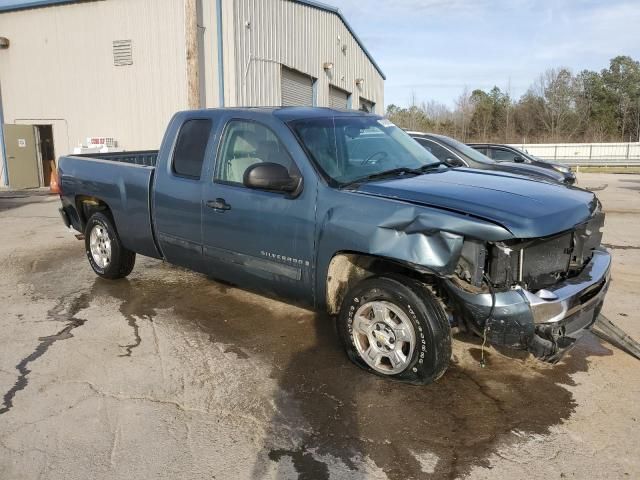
(47, 160)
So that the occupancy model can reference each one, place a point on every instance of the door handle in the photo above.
(218, 204)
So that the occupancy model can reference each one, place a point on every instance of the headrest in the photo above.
(245, 142)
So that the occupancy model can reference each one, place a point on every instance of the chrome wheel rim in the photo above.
(384, 337)
(100, 246)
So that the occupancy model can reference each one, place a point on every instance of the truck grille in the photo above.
(547, 262)
(543, 262)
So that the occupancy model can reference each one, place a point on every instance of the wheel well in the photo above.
(87, 206)
(348, 268)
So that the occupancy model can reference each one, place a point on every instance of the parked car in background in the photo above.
(457, 154)
(505, 153)
(343, 212)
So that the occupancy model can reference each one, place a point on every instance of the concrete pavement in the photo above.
(171, 375)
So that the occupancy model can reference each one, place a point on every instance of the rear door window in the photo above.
(482, 150)
(436, 150)
(190, 149)
(502, 155)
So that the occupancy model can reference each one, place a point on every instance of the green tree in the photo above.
(558, 107)
(622, 80)
(482, 118)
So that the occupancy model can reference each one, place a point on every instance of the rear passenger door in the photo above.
(254, 238)
(177, 195)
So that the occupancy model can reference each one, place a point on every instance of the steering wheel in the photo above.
(382, 153)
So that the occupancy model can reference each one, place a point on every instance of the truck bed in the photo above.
(146, 158)
(122, 180)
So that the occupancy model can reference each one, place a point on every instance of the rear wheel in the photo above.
(394, 327)
(107, 256)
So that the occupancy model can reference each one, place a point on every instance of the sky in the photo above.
(436, 48)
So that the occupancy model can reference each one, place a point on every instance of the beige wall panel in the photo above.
(59, 69)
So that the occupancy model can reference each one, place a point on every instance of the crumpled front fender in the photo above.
(429, 239)
(435, 251)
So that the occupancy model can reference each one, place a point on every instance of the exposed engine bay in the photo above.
(532, 264)
(533, 293)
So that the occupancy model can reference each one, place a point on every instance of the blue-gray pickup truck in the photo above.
(344, 212)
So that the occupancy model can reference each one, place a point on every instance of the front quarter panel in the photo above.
(428, 239)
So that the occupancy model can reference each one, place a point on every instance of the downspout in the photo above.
(220, 53)
(3, 150)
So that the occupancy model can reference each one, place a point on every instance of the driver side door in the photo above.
(257, 239)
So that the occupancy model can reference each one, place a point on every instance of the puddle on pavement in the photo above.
(460, 420)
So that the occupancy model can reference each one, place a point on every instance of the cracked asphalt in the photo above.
(169, 374)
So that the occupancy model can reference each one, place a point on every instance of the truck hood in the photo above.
(527, 208)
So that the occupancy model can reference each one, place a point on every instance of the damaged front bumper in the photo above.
(544, 322)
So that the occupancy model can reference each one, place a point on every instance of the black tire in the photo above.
(121, 260)
(432, 352)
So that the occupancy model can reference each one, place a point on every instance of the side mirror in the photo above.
(518, 159)
(270, 176)
(454, 162)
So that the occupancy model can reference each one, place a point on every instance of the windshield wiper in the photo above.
(394, 172)
(429, 166)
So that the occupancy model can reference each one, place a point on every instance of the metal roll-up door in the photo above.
(338, 98)
(366, 105)
(297, 88)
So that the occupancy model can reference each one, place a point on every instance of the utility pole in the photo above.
(193, 68)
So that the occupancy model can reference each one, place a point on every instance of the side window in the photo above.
(500, 155)
(188, 155)
(482, 150)
(436, 150)
(246, 143)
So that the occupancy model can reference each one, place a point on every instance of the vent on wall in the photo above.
(122, 53)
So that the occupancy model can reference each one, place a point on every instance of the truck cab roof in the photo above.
(285, 114)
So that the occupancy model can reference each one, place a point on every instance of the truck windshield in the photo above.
(347, 149)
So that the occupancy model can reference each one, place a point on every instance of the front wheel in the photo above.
(107, 256)
(394, 327)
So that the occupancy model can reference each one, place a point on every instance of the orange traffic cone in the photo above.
(54, 186)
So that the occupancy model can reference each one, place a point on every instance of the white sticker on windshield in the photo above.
(386, 123)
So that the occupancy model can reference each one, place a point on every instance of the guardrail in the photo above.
(605, 154)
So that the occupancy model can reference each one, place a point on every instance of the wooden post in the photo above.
(191, 37)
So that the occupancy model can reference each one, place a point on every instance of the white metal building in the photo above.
(119, 69)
